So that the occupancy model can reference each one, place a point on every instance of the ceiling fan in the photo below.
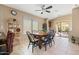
(45, 9)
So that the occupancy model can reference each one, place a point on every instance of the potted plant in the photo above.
(73, 39)
(44, 27)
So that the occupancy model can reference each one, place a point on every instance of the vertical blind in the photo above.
(34, 26)
(26, 25)
(29, 25)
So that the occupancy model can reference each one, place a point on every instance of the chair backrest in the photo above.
(9, 43)
(30, 37)
(51, 33)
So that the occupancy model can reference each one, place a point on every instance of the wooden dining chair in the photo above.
(32, 41)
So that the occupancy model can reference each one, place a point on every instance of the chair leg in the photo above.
(49, 44)
(32, 48)
(53, 41)
(28, 45)
(45, 47)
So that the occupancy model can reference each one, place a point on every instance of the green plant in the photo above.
(73, 39)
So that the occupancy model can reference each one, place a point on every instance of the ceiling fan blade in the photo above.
(37, 10)
(49, 7)
(43, 6)
(48, 11)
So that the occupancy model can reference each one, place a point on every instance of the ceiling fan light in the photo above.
(41, 12)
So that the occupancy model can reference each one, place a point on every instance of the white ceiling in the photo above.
(56, 11)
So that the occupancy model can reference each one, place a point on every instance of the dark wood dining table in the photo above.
(39, 36)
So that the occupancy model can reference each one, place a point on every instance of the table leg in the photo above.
(40, 43)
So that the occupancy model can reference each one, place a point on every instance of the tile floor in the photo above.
(62, 47)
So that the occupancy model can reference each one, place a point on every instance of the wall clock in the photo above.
(13, 12)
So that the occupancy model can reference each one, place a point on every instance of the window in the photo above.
(34, 26)
(64, 26)
(26, 25)
(29, 25)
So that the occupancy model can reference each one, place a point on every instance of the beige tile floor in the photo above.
(62, 47)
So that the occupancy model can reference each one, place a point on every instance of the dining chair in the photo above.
(48, 39)
(31, 40)
(52, 33)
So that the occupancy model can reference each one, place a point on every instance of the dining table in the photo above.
(39, 36)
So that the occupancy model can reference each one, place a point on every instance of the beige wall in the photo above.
(75, 22)
(66, 18)
(5, 14)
